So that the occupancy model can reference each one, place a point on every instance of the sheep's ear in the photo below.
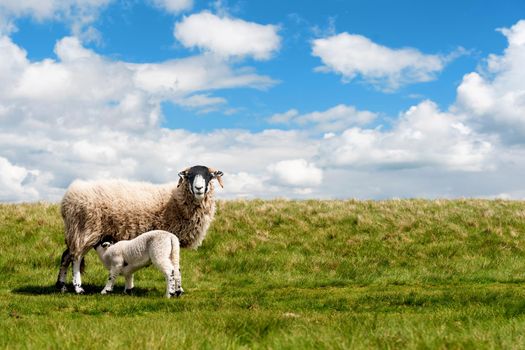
(106, 244)
(217, 174)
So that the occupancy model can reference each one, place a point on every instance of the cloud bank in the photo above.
(84, 115)
(494, 100)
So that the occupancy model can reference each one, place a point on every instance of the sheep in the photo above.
(124, 210)
(127, 256)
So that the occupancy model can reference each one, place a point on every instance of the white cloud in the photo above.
(89, 152)
(45, 80)
(174, 6)
(296, 172)
(244, 185)
(337, 118)
(70, 49)
(79, 14)
(355, 55)
(494, 101)
(45, 9)
(201, 100)
(82, 87)
(227, 37)
(12, 63)
(16, 182)
(284, 118)
(422, 137)
(197, 73)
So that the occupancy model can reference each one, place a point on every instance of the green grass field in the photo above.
(286, 275)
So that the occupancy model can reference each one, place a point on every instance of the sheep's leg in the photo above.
(62, 273)
(128, 289)
(77, 280)
(113, 274)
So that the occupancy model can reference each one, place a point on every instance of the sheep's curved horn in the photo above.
(219, 179)
(217, 174)
(182, 174)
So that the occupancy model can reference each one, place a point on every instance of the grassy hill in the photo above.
(286, 274)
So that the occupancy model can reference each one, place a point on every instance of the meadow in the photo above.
(397, 274)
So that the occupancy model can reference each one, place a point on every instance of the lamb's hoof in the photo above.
(105, 291)
(178, 293)
(79, 290)
(128, 291)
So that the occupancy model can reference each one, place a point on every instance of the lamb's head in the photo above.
(198, 178)
(105, 242)
(103, 245)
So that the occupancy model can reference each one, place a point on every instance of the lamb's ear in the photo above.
(182, 176)
(217, 174)
(106, 244)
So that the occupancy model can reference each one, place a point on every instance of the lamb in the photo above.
(125, 257)
(124, 210)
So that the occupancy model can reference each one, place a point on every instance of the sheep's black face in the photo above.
(198, 178)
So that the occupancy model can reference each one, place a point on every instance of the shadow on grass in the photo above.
(88, 289)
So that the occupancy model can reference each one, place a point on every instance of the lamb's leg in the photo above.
(113, 274)
(178, 283)
(173, 281)
(175, 260)
(169, 273)
(128, 289)
(168, 270)
(62, 273)
(77, 280)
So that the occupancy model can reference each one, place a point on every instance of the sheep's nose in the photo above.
(198, 188)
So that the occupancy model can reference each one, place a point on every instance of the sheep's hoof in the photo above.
(178, 293)
(128, 291)
(105, 291)
(79, 290)
(61, 286)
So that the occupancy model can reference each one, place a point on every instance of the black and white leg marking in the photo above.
(174, 287)
(77, 280)
(171, 284)
(178, 287)
(65, 261)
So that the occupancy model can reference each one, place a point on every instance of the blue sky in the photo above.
(135, 31)
(294, 95)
